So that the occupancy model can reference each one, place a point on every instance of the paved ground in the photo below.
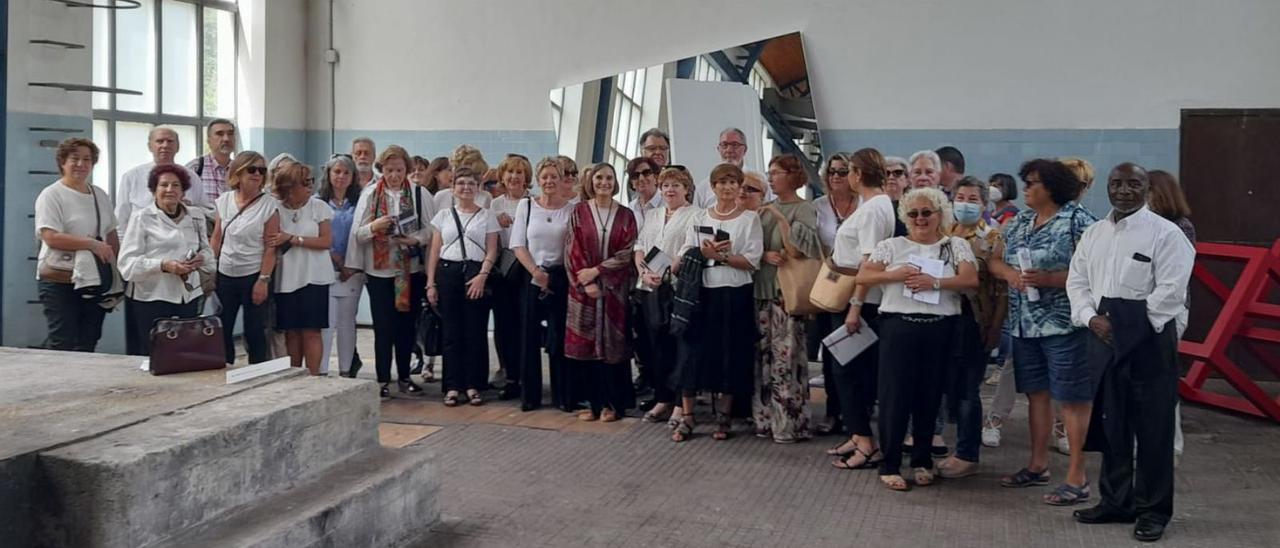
(542, 479)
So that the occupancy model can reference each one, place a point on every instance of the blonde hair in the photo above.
(470, 157)
(550, 162)
(395, 151)
(1083, 170)
(936, 199)
(668, 173)
(512, 163)
(242, 160)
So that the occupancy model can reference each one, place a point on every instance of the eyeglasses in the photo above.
(642, 173)
(727, 144)
(656, 148)
(926, 213)
(895, 173)
(256, 170)
(840, 172)
(751, 190)
(465, 182)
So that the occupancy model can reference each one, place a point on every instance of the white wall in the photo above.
(914, 64)
(32, 19)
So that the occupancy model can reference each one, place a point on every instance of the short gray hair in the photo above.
(936, 198)
(971, 181)
(734, 130)
(367, 140)
(152, 134)
(891, 160)
(931, 155)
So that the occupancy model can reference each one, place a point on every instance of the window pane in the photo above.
(219, 63)
(102, 171)
(131, 146)
(136, 57)
(637, 94)
(101, 56)
(188, 143)
(633, 134)
(178, 58)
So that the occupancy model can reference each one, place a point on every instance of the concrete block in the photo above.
(381, 497)
(140, 483)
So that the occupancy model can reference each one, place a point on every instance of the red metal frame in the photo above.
(1243, 304)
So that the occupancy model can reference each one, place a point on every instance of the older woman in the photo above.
(642, 182)
(780, 402)
(538, 238)
(982, 319)
(836, 205)
(165, 250)
(716, 353)
(72, 215)
(1048, 351)
(516, 173)
(922, 275)
(246, 217)
(659, 241)
(471, 158)
(464, 247)
(569, 187)
(601, 272)
(339, 191)
(895, 177)
(926, 170)
(855, 382)
(305, 270)
(392, 228)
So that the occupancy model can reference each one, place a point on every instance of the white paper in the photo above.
(658, 261)
(845, 346)
(932, 267)
(1025, 263)
(241, 374)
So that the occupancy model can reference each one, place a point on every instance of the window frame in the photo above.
(633, 102)
(113, 115)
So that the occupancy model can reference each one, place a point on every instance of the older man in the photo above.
(364, 151)
(733, 150)
(952, 167)
(655, 145)
(1128, 284)
(132, 192)
(212, 167)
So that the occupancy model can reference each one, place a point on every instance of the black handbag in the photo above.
(430, 338)
(656, 305)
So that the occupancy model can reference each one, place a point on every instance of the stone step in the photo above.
(143, 482)
(381, 497)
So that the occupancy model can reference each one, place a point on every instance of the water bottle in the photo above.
(1024, 263)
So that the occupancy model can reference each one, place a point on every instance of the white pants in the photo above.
(344, 301)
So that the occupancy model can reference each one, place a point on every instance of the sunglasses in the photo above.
(926, 213)
(642, 173)
(256, 170)
(751, 190)
(573, 173)
(840, 172)
(896, 173)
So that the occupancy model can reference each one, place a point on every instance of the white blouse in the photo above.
(870, 224)
(302, 266)
(894, 254)
(828, 222)
(668, 235)
(544, 234)
(475, 225)
(746, 237)
(153, 238)
(242, 244)
(360, 246)
(504, 204)
(63, 209)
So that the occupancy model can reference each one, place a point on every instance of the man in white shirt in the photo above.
(1128, 284)
(132, 192)
(733, 150)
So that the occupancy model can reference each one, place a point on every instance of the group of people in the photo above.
(684, 281)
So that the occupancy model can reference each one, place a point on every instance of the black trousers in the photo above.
(74, 323)
(605, 385)
(640, 338)
(914, 352)
(145, 314)
(507, 294)
(1138, 395)
(856, 382)
(662, 365)
(234, 293)
(393, 330)
(465, 329)
(552, 308)
(131, 342)
(823, 325)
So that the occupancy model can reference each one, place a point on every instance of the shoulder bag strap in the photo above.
(461, 232)
(218, 260)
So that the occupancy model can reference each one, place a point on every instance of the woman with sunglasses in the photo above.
(780, 402)
(922, 275)
(855, 382)
(247, 218)
(304, 271)
(717, 352)
(836, 205)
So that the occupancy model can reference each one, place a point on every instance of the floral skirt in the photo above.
(780, 401)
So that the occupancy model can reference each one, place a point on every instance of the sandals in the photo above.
(651, 417)
(723, 425)
(1067, 495)
(1026, 478)
(683, 430)
(867, 462)
(587, 416)
(451, 399)
(608, 415)
(473, 397)
(841, 451)
(895, 482)
(923, 476)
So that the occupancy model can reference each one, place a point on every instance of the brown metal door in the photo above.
(1230, 171)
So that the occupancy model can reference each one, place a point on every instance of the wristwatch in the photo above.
(937, 284)
(264, 278)
(854, 301)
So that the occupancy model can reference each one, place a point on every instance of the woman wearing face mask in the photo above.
(538, 238)
(982, 317)
(1004, 190)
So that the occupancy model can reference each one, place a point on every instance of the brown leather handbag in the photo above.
(182, 345)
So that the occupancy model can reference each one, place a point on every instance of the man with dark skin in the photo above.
(1128, 284)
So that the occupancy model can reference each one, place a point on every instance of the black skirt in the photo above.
(718, 353)
(304, 308)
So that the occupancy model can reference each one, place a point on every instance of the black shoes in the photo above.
(529, 406)
(829, 428)
(509, 392)
(407, 387)
(355, 367)
(385, 393)
(1101, 514)
(647, 404)
(1148, 530)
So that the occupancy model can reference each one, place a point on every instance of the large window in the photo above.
(180, 54)
(628, 106)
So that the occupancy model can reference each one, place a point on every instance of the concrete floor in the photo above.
(542, 479)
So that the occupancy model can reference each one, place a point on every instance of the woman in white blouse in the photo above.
(464, 246)
(246, 217)
(665, 230)
(515, 173)
(164, 252)
(922, 275)
(392, 220)
(717, 354)
(304, 271)
(538, 238)
(834, 207)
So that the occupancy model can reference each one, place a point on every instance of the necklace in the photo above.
(603, 222)
(716, 210)
(840, 217)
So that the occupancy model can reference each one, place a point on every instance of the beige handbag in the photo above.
(796, 278)
(832, 290)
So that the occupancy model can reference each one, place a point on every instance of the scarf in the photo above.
(386, 254)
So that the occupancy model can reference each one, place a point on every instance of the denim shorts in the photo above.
(1057, 363)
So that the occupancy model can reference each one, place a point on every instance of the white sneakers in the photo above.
(991, 432)
(1059, 442)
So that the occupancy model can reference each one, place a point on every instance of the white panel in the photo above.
(698, 111)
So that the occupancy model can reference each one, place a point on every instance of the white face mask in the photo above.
(994, 195)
